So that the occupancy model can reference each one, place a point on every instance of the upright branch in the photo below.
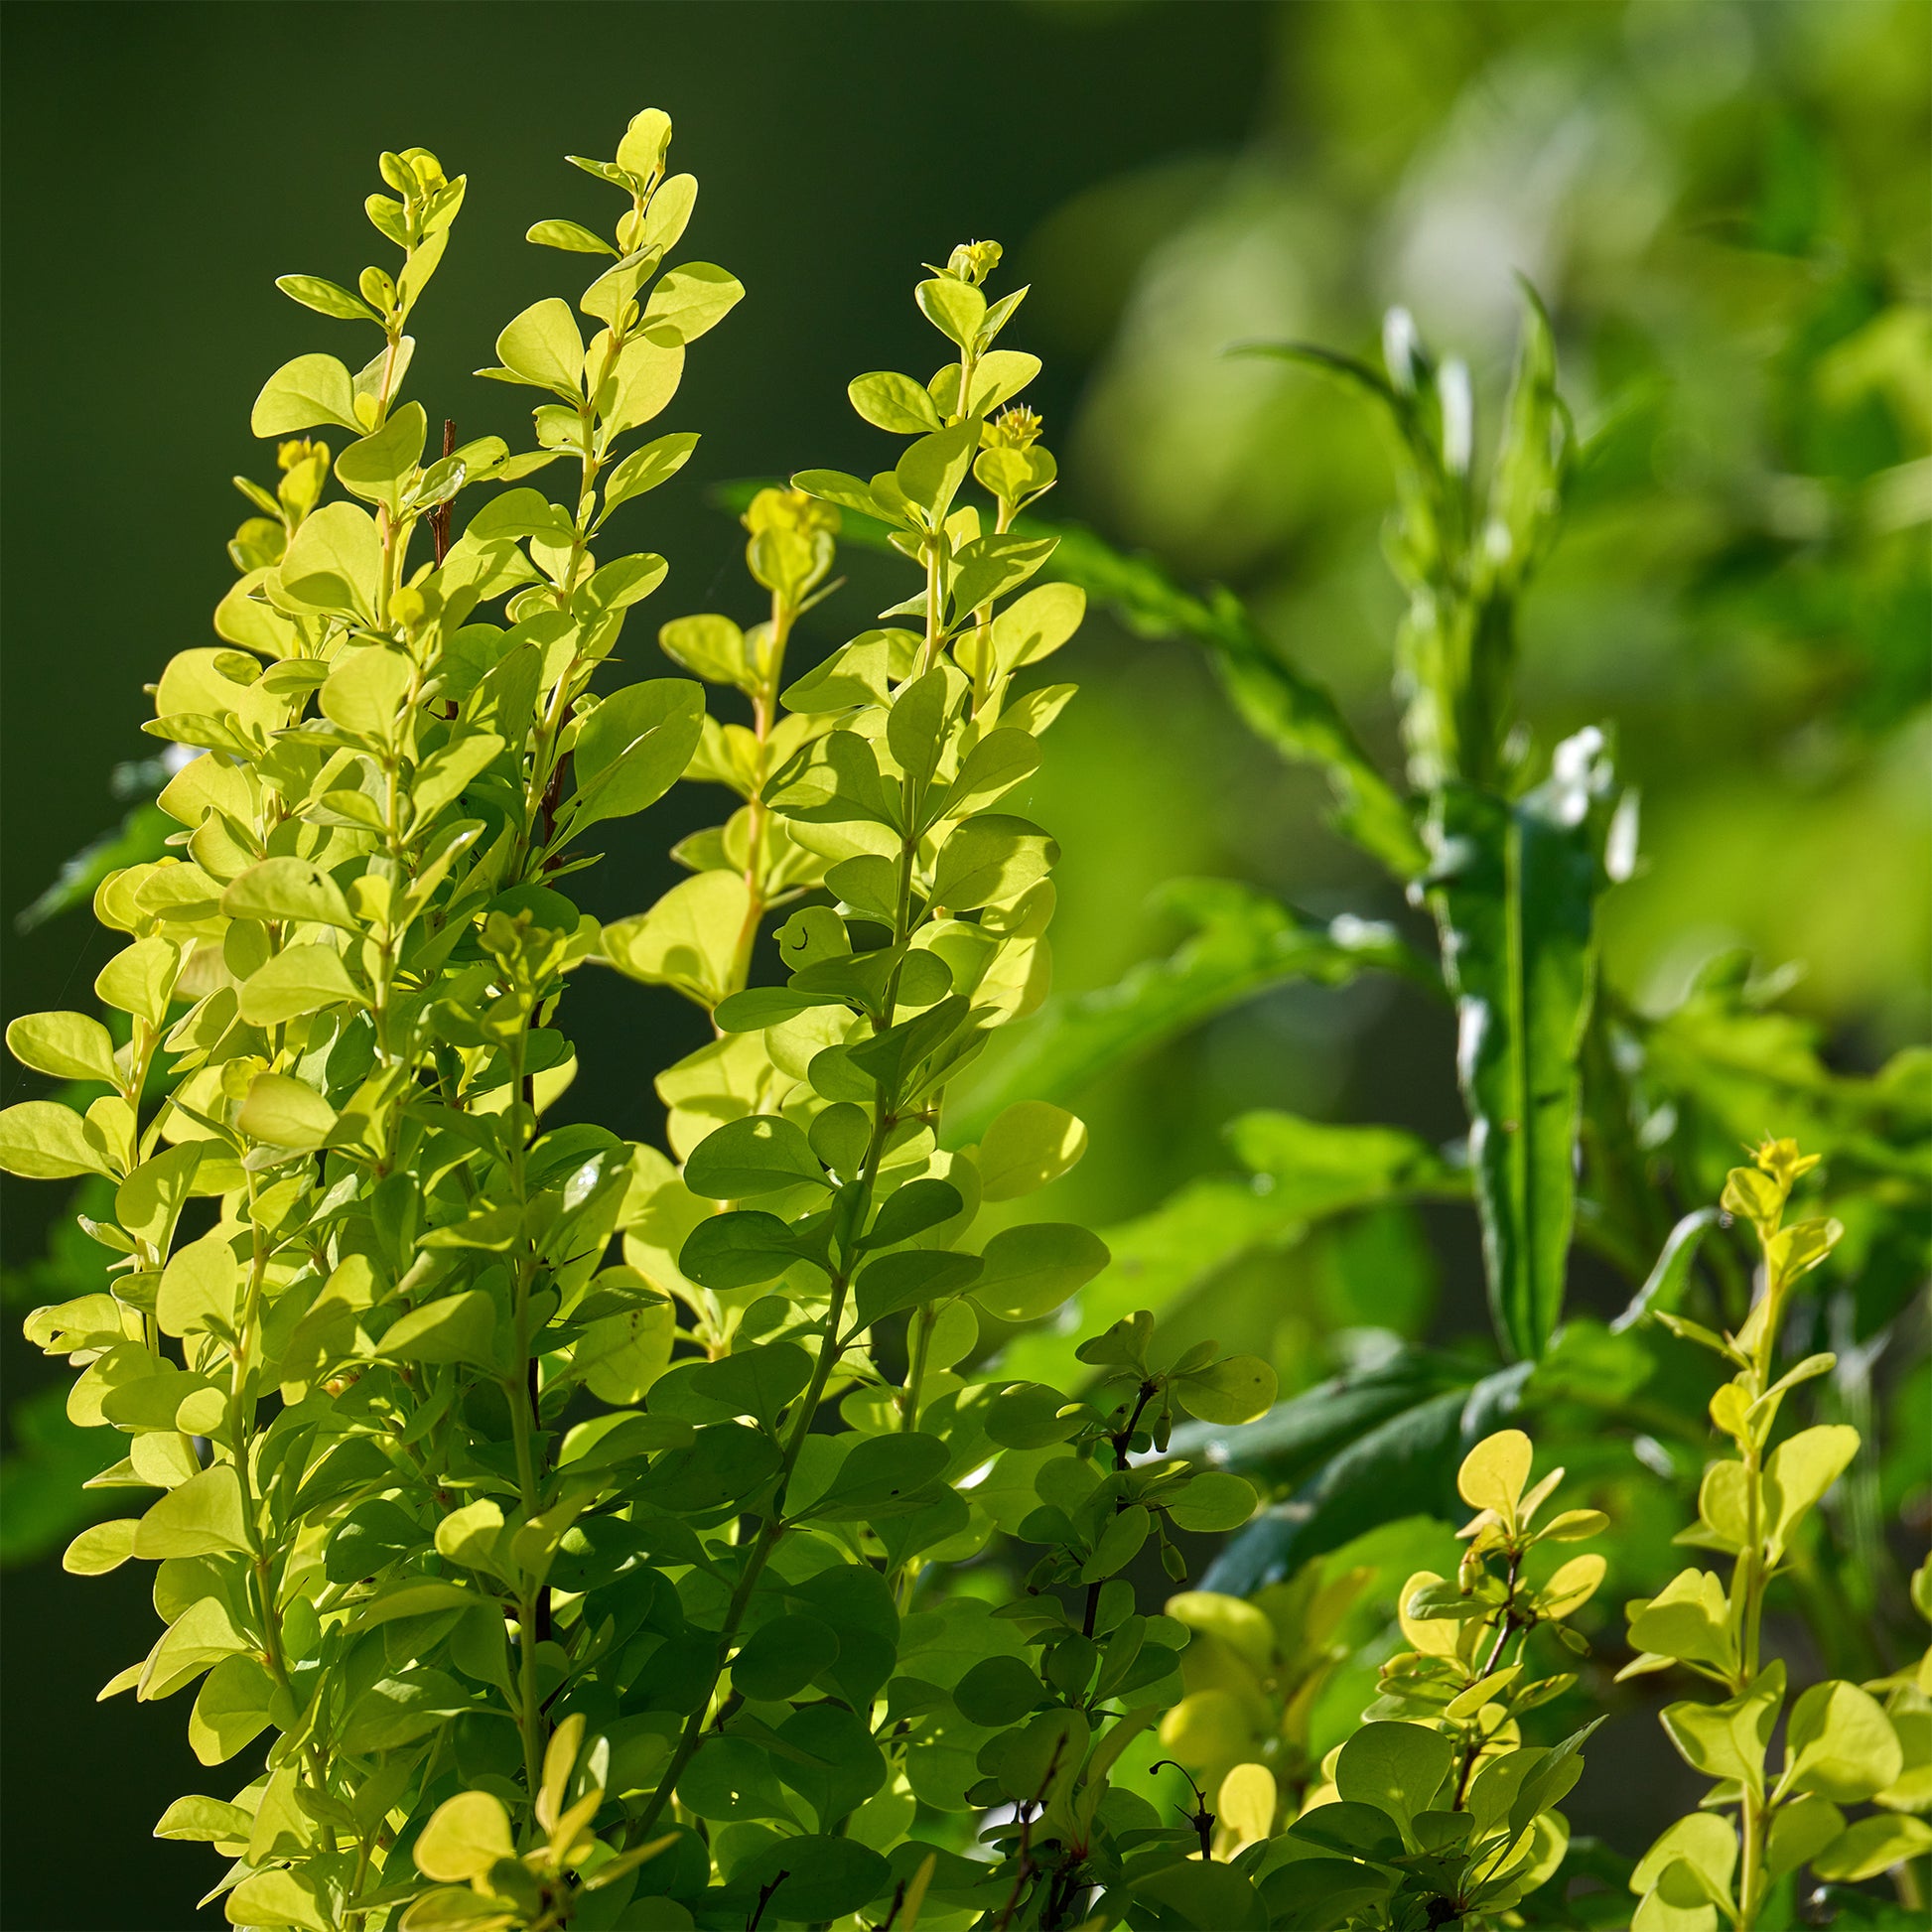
(1757, 1827)
(355, 1281)
(819, 1239)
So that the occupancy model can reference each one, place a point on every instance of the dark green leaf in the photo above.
(881, 1472)
(781, 1658)
(911, 1279)
(1514, 891)
(740, 1250)
(915, 1208)
(997, 1691)
(726, 1462)
(758, 1155)
(755, 1381)
(825, 1880)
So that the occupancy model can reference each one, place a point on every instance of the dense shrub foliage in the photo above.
(768, 1528)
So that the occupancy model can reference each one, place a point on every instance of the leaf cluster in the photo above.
(1840, 1747)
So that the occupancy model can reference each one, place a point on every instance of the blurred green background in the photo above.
(1727, 206)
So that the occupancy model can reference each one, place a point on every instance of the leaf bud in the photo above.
(1017, 428)
(239, 1073)
(1781, 1160)
(427, 171)
(973, 261)
(789, 509)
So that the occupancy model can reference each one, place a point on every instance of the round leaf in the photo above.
(66, 1046)
(466, 1835)
(1493, 1473)
(1841, 1745)
(1234, 1390)
(758, 1155)
(1028, 1144)
(824, 1878)
(782, 1657)
(1213, 1502)
(1029, 1271)
(997, 1691)
(285, 1112)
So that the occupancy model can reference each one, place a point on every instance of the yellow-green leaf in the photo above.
(543, 347)
(64, 1046)
(1841, 1745)
(140, 979)
(1572, 1585)
(300, 394)
(1800, 1472)
(1246, 1804)
(689, 939)
(466, 1835)
(1688, 1619)
(202, 1518)
(1872, 1845)
(1028, 1144)
(281, 1897)
(1801, 1830)
(459, 1328)
(570, 235)
(198, 1285)
(296, 981)
(1493, 1473)
(149, 1201)
(44, 1141)
(285, 1112)
(333, 562)
(1038, 624)
(1727, 1739)
(101, 1546)
(288, 889)
(366, 691)
(691, 300)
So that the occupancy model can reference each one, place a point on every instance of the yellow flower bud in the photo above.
(1781, 1160)
(1017, 428)
(973, 261)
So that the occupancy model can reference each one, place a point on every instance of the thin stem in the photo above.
(770, 1530)
(1752, 1578)
(934, 632)
(909, 1402)
(1027, 1868)
(1509, 1616)
(261, 1577)
(831, 1347)
(1123, 1443)
(772, 1527)
(523, 1423)
(764, 710)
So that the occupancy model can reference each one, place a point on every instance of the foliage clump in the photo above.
(1840, 1744)
(736, 1533)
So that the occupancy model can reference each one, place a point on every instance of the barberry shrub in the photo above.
(562, 1531)
(567, 1586)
